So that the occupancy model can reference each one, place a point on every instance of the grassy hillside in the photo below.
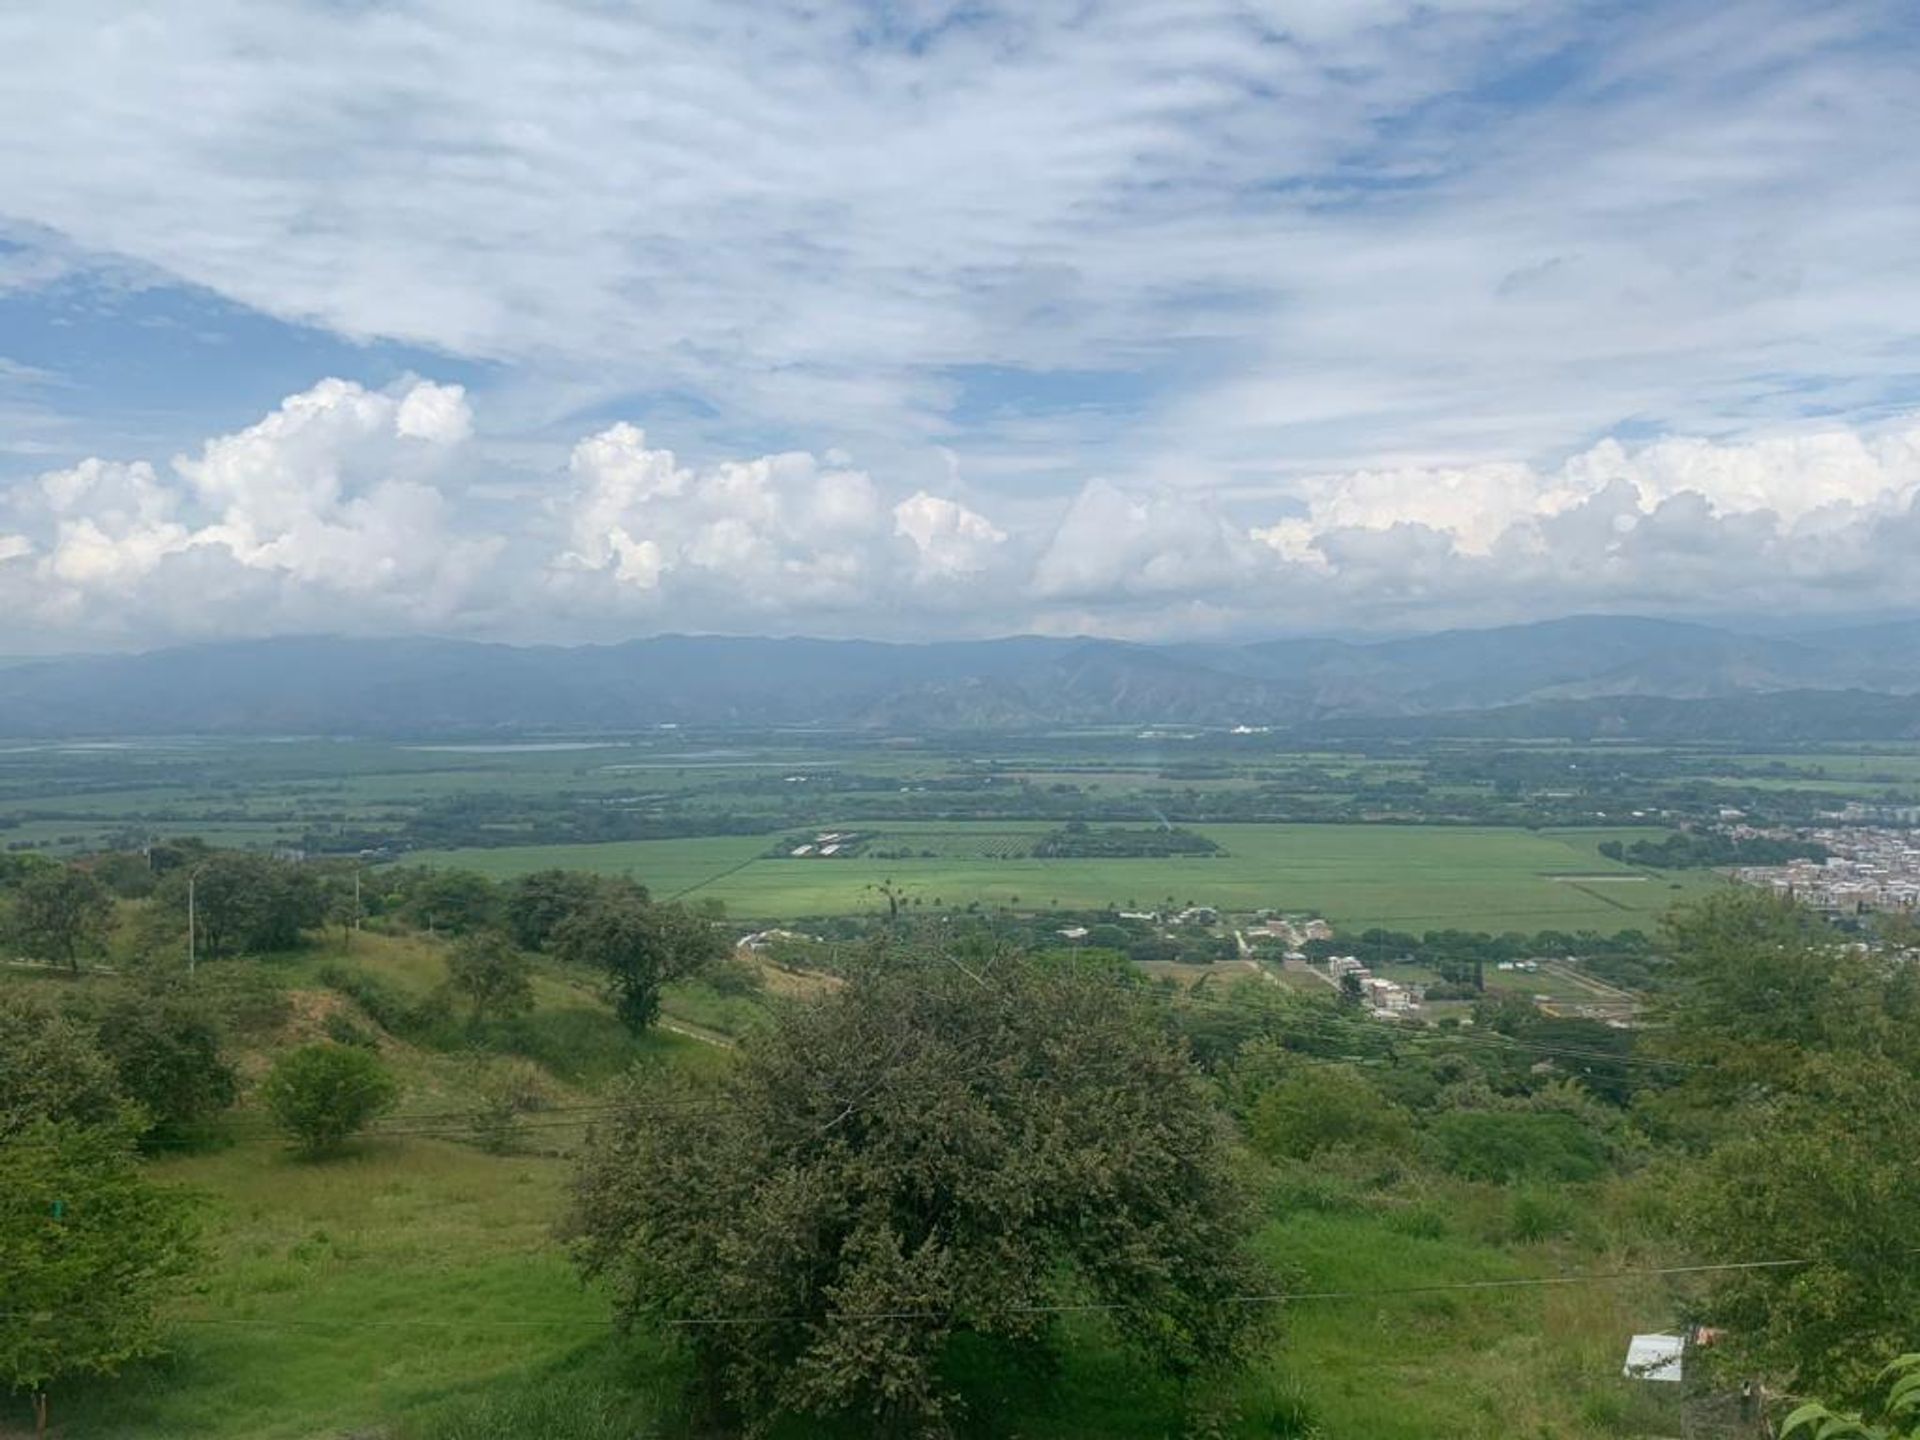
(414, 1288)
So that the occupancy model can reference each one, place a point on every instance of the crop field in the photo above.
(666, 867)
(1401, 877)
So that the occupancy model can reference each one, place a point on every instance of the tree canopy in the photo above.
(639, 947)
(492, 976)
(88, 1249)
(927, 1153)
(322, 1094)
(61, 914)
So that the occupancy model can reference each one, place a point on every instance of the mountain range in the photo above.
(1582, 676)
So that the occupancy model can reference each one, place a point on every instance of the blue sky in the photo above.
(1148, 318)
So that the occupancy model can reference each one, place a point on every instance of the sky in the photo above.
(922, 318)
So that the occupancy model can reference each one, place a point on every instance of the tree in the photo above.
(640, 947)
(1758, 982)
(1825, 1175)
(454, 901)
(493, 977)
(89, 1247)
(51, 1069)
(322, 1094)
(923, 1155)
(1899, 1410)
(242, 904)
(60, 914)
(167, 1056)
(536, 904)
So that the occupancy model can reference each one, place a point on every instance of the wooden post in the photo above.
(39, 1415)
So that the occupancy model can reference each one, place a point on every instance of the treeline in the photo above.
(1077, 840)
(1701, 849)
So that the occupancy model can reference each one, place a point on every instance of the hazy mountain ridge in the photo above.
(1597, 675)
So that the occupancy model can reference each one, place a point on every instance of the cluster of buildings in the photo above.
(1868, 869)
(826, 846)
(1384, 999)
(1293, 933)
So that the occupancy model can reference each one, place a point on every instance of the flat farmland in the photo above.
(1402, 877)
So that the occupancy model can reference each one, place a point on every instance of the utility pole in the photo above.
(192, 939)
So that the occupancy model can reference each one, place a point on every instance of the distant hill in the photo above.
(1584, 675)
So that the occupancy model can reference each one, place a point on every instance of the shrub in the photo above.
(506, 1093)
(168, 1058)
(322, 1094)
(492, 976)
(51, 1069)
(1325, 1107)
(1504, 1146)
(1535, 1215)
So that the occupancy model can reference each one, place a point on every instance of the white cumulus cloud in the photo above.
(323, 514)
(339, 511)
(790, 534)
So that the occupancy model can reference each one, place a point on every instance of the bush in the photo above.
(1504, 1146)
(1325, 1107)
(51, 1069)
(1284, 1412)
(493, 977)
(1535, 1215)
(322, 1094)
(506, 1093)
(168, 1058)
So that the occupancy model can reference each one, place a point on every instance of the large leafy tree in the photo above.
(61, 914)
(927, 1154)
(51, 1069)
(1828, 1174)
(89, 1247)
(492, 976)
(166, 1052)
(1803, 1090)
(537, 904)
(451, 902)
(1898, 1416)
(640, 947)
(243, 903)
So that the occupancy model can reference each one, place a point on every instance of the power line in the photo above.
(1251, 1298)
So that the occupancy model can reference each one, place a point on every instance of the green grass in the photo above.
(1403, 877)
(414, 1288)
(354, 1290)
(665, 866)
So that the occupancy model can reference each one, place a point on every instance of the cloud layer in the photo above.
(1261, 236)
(336, 512)
(916, 317)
